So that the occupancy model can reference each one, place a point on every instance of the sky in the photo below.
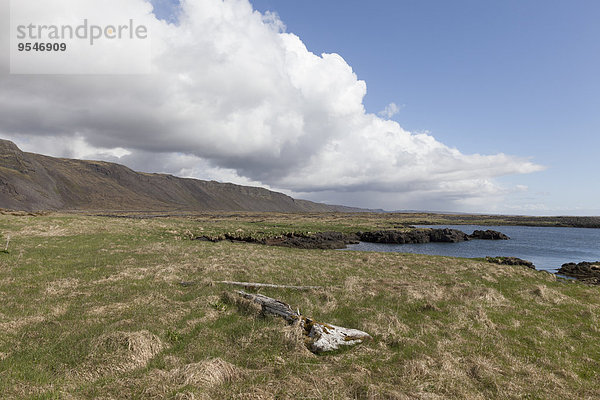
(466, 106)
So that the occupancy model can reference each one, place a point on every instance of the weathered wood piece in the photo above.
(272, 306)
(268, 285)
(326, 337)
(319, 337)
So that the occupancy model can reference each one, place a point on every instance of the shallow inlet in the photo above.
(547, 247)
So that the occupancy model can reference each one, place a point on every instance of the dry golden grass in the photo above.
(205, 373)
(98, 311)
(14, 325)
(118, 352)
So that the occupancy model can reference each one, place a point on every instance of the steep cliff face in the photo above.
(33, 182)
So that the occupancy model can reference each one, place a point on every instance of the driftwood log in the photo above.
(319, 337)
(267, 285)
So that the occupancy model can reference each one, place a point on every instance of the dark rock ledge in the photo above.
(319, 240)
(488, 235)
(338, 240)
(426, 235)
(510, 261)
(588, 272)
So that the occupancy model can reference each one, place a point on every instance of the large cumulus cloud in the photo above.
(232, 94)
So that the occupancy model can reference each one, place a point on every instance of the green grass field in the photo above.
(92, 307)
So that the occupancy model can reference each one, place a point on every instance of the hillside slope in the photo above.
(34, 182)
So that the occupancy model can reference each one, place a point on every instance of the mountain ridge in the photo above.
(35, 182)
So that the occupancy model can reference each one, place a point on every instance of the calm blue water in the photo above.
(547, 248)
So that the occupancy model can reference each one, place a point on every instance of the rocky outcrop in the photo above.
(488, 235)
(320, 240)
(395, 237)
(447, 235)
(510, 261)
(414, 236)
(588, 272)
(339, 240)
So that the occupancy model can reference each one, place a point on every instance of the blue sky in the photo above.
(497, 102)
(513, 76)
(519, 77)
(166, 9)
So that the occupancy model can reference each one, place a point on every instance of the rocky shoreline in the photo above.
(318, 240)
(587, 272)
(427, 235)
(339, 240)
(510, 261)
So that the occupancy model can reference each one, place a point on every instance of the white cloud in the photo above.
(389, 111)
(239, 97)
(68, 146)
(272, 18)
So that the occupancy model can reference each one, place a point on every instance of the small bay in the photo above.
(547, 247)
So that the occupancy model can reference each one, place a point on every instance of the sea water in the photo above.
(547, 247)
